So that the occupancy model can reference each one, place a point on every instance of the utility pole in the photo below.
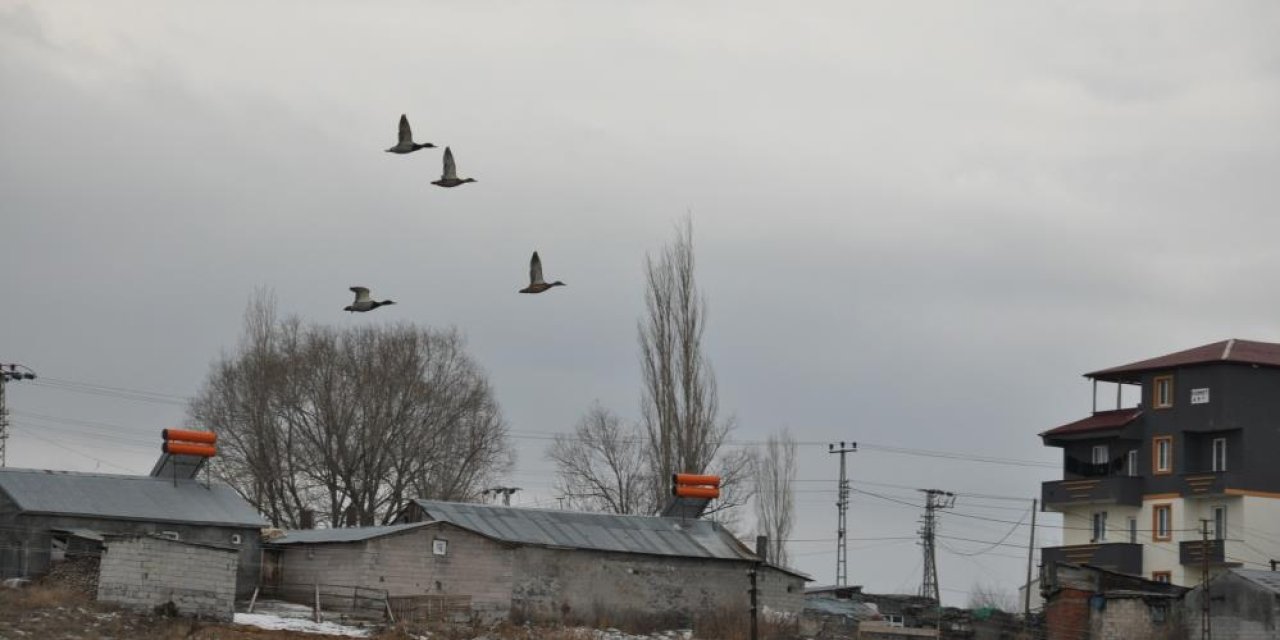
(934, 499)
(9, 373)
(1031, 551)
(755, 601)
(842, 508)
(1205, 631)
(505, 492)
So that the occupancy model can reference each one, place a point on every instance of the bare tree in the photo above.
(349, 424)
(987, 595)
(775, 474)
(680, 405)
(601, 466)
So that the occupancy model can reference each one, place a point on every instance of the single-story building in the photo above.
(546, 565)
(145, 571)
(47, 514)
(1243, 603)
(1083, 601)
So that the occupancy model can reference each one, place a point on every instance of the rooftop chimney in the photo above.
(762, 548)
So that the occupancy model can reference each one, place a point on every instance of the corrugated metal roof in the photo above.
(599, 531)
(1239, 351)
(343, 534)
(1267, 579)
(126, 497)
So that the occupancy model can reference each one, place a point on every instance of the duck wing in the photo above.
(450, 169)
(535, 270)
(362, 293)
(406, 134)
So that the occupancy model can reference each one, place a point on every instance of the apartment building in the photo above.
(1141, 484)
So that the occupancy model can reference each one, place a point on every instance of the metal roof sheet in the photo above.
(126, 497)
(1269, 580)
(344, 534)
(598, 531)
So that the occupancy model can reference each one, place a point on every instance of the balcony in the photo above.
(1125, 490)
(1204, 483)
(1193, 552)
(1122, 557)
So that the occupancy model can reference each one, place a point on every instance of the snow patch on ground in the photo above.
(268, 621)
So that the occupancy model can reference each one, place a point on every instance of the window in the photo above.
(1131, 462)
(439, 547)
(1219, 454)
(1220, 522)
(1159, 611)
(1162, 392)
(1161, 521)
(1100, 454)
(235, 538)
(1162, 455)
(1162, 576)
(894, 620)
(1133, 530)
(1099, 526)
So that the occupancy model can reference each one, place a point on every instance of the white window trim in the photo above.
(1099, 529)
(1214, 454)
(1131, 460)
(1219, 533)
(1104, 450)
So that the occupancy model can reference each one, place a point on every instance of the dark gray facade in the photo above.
(1243, 408)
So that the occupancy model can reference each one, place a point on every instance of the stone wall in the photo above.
(144, 572)
(1137, 619)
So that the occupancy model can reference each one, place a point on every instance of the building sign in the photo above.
(1199, 396)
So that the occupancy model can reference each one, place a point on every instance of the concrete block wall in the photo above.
(144, 572)
(594, 587)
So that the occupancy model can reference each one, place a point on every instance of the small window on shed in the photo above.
(439, 547)
(171, 535)
(1159, 612)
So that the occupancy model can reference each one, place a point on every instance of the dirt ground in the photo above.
(51, 613)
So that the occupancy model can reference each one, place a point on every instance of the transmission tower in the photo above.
(842, 508)
(934, 499)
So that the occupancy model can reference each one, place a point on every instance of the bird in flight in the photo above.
(364, 302)
(450, 176)
(536, 283)
(406, 143)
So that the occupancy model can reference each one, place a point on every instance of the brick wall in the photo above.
(1066, 615)
(144, 572)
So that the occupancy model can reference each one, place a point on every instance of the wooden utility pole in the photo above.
(1031, 552)
(755, 601)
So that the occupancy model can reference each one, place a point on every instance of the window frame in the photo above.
(1162, 576)
(1131, 463)
(1156, 469)
(1106, 454)
(1133, 530)
(1156, 383)
(1156, 510)
(1219, 525)
(1099, 526)
(1213, 455)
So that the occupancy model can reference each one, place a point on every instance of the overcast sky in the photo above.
(917, 224)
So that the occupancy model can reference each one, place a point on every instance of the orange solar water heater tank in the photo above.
(690, 485)
(189, 442)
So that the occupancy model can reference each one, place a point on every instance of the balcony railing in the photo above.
(1193, 552)
(1126, 490)
(1122, 557)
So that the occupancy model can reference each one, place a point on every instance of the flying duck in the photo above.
(536, 283)
(450, 176)
(364, 302)
(406, 143)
